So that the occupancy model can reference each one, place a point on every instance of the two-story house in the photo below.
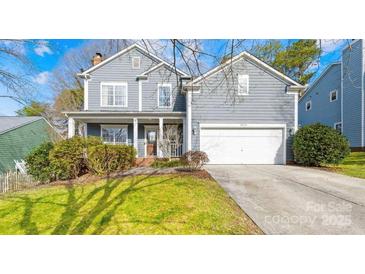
(240, 112)
(336, 98)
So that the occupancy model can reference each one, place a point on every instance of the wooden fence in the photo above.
(13, 181)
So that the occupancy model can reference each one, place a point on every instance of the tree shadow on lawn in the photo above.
(74, 204)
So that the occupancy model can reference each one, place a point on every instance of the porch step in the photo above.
(144, 162)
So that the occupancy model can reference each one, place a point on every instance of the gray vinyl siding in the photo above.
(120, 70)
(267, 102)
(149, 91)
(352, 93)
(323, 110)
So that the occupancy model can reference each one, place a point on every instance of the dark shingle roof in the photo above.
(11, 122)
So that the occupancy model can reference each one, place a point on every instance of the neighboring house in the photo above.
(18, 136)
(336, 98)
(247, 118)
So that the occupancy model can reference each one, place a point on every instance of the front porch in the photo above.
(152, 136)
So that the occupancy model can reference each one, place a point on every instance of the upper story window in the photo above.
(136, 62)
(164, 95)
(114, 94)
(114, 134)
(308, 106)
(243, 84)
(333, 95)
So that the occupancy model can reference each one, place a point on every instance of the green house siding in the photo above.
(17, 143)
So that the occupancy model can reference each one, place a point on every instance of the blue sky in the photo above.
(49, 53)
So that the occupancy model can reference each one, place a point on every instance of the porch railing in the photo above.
(176, 150)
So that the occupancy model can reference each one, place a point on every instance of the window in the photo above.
(114, 95)
(338, 127)
(308, 106)
(136, 62)
(114, 134)
(333, 95)
(242, 84)
(164, 95)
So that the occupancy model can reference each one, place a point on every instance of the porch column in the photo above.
(135, 134)
(160, 132)
(188, 120)
(184, 136)
(71, 127)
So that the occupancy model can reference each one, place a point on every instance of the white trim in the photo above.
(253, 126)
(245, 54)
(324, 72)
(331, 92)
(135, 135)
(86, 94)
(151, 69)
(124, 117)
(184, 135)
(139, 62)
(158, 95)
(146, 127)
(362, 94)
(123, 112)
(310, 105)
(70, 127)
(188, 99)
(296, 112)
(114, 84)
(342, 90)
(112, 126)
(160, 135)
(140, 95)
(245, 78)
(125, 51)
(228, 125)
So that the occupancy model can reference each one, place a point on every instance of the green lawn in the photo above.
(168, 204)
(353, 165)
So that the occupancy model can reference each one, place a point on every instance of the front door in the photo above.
(151, 139)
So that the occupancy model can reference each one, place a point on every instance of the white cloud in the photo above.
(42, 78)
(43, 48)
(330, 45)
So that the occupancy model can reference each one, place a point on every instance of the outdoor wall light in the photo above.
(291, 131)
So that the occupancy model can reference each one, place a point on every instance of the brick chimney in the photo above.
(97, 58)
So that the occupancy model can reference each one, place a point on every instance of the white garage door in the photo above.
(243, 145)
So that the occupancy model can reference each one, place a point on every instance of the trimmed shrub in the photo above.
(317, 144)
(194, 160)
(68, 157)
(38, 163)
(104, 159)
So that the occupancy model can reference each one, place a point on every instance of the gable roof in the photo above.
(127, 49)
(324, 72)
(8, 123)
(251, 58)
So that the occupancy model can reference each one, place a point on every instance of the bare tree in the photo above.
(64, 76)
(16, 71)
(171, 143)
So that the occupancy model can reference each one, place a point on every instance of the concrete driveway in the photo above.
(295, 200)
